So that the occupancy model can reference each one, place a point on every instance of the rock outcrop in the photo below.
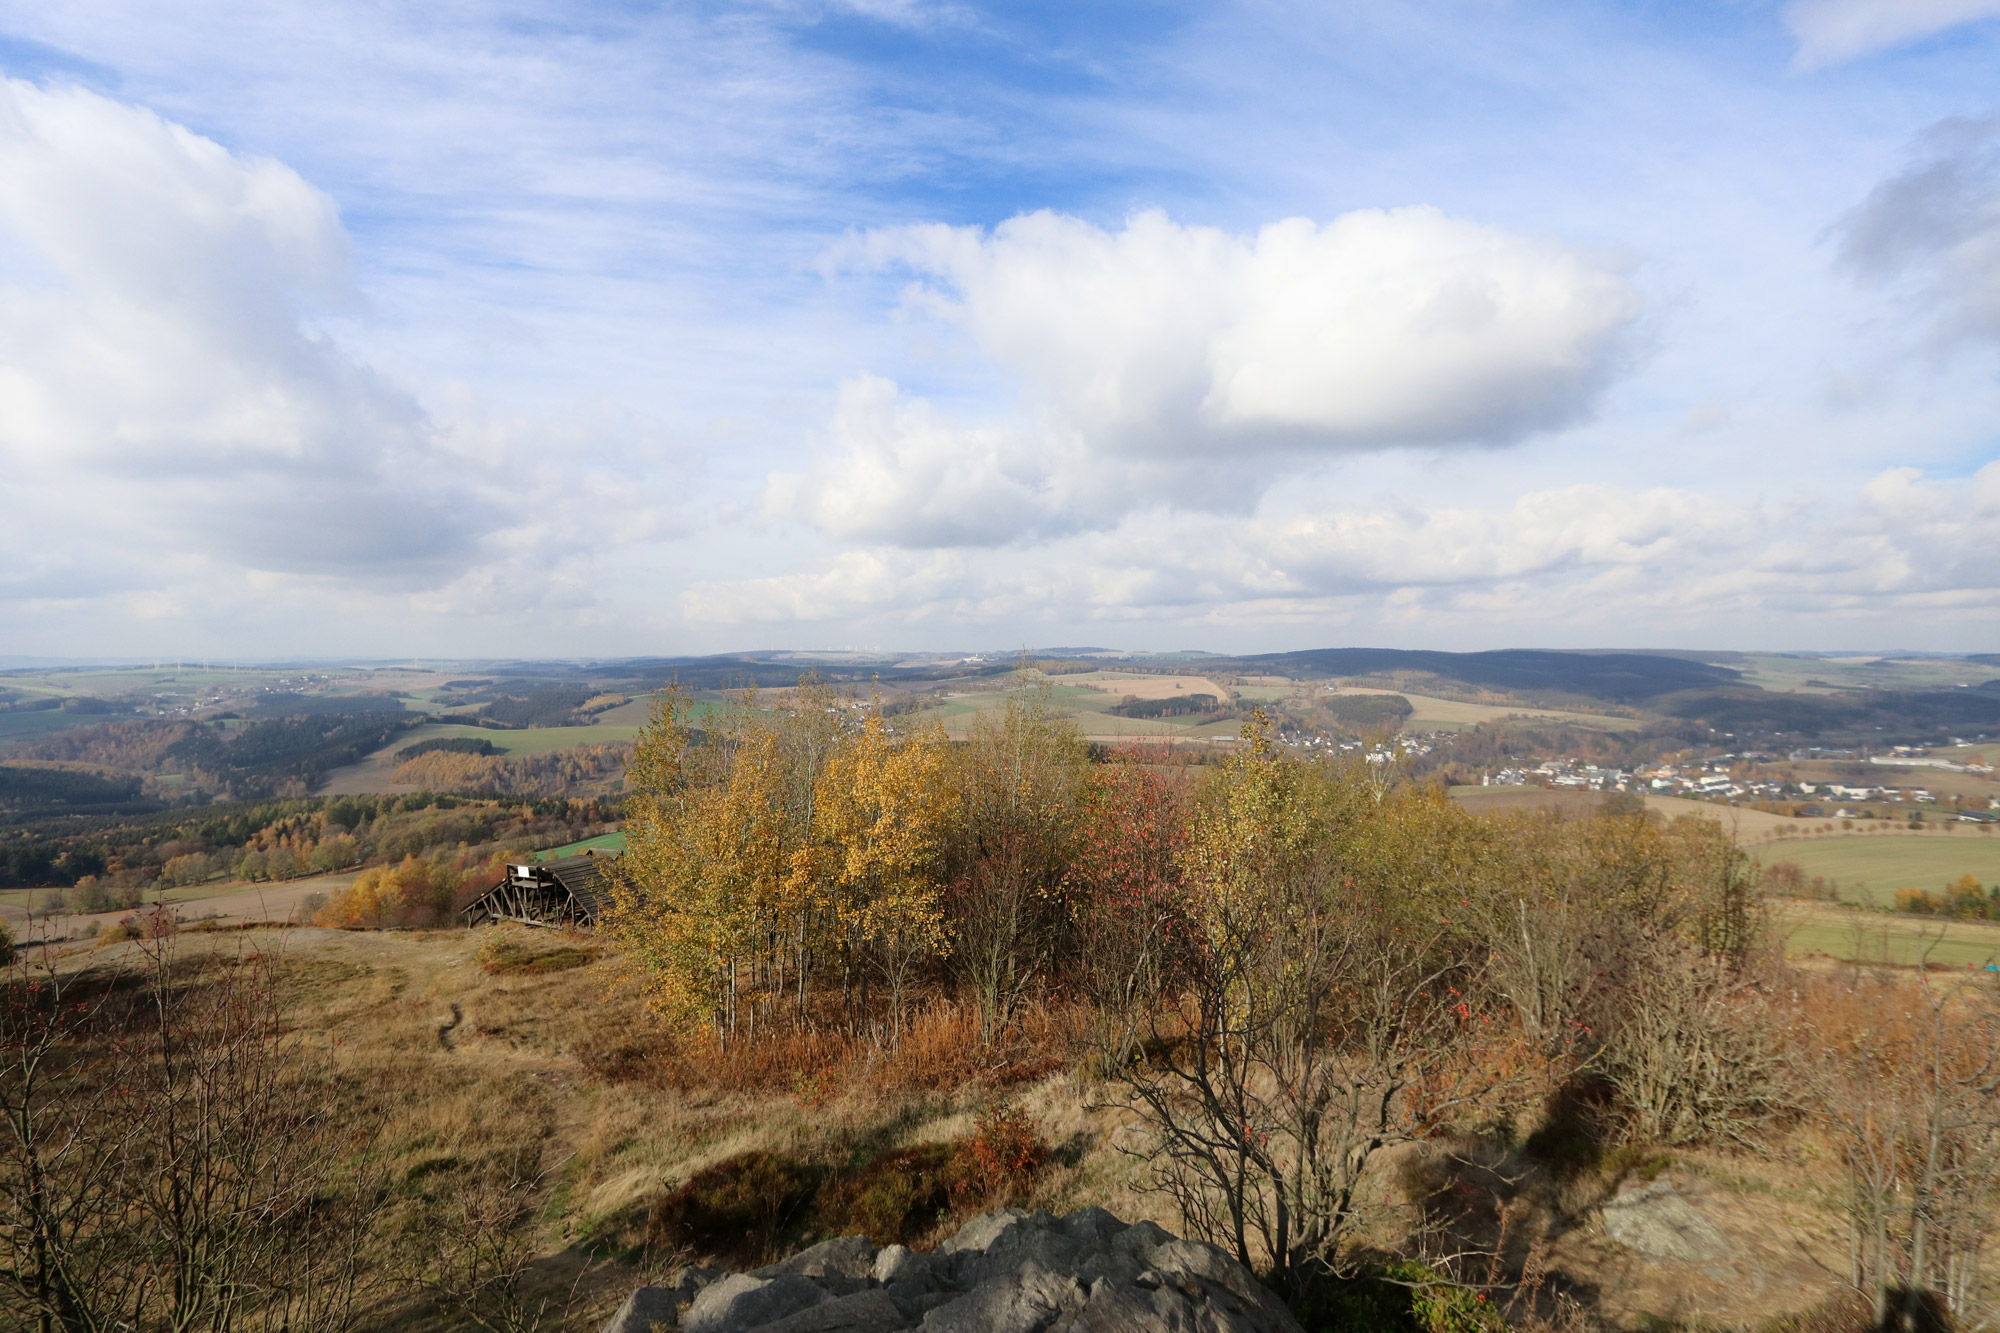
(1004, 1272)
(1659, 1222)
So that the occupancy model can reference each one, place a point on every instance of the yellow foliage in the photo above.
(776, 837)
(413, 893)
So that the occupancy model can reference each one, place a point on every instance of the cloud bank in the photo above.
(1184, 365)
(1662, 559)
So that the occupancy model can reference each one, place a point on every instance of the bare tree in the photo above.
(470, 1248)
(1317, 1032)
(62, 1179)
(1905, 1078)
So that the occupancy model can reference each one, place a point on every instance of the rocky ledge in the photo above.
(1004, 1272)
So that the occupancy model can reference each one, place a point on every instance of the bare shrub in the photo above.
(469, 1247)
(1903, 1077)
(175, 1156)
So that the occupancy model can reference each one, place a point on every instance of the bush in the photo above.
(895, 1199)
(1965, 899)
(414, 893)
(87, 895)
(739, 1209)
(1400, 1297)
(1001, 1158)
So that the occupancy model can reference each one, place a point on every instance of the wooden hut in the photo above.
(570, 893)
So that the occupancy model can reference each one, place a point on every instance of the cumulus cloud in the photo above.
(157, 366)
(170, 399)
(1937, 224)
(1182, 364)
(1831, 31)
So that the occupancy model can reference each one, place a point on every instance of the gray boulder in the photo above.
(741, 1301)
(1004, 1272)
(1660, 1222)
(644, 1308)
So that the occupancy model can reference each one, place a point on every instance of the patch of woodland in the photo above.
(288, 747)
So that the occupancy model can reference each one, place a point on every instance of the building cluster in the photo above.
(1719, 779)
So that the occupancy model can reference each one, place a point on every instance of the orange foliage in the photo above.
(414, 893)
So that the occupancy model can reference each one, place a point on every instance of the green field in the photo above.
(534, 740)
(22, 726)
(603, 842)
(1091, 709)
(1872, 867)
(1878, 937)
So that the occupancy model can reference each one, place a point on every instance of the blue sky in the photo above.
(621, 328)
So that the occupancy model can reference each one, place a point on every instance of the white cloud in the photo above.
(1169, 363)
(169, 402)
(1830, 31)
(156, 369)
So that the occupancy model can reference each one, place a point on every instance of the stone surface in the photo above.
(1658, 1221)
(1003, 1272)
(644, 1308)
(741, 1301)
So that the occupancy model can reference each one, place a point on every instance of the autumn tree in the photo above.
(1023, 777)
(883, 806)
(1126, 891)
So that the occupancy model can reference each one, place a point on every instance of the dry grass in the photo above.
(1119, 684)
(563, 1077)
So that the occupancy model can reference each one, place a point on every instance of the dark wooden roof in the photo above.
(585, 879)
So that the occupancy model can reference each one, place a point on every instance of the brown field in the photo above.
(1119, 684)
(1435, 714)
(227, 904)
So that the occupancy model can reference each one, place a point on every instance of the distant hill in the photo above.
(1613, 677)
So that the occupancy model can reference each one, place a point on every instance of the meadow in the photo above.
(1871, 867)
(1844, 934)
(1091, 709)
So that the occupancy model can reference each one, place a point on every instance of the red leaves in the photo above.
(1004, 1154)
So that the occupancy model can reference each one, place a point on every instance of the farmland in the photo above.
(1847, 935)
(1871, 867)
(1091, 702)
(1434, 714)
(376, 773)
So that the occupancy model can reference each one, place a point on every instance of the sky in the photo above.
(606, 328)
